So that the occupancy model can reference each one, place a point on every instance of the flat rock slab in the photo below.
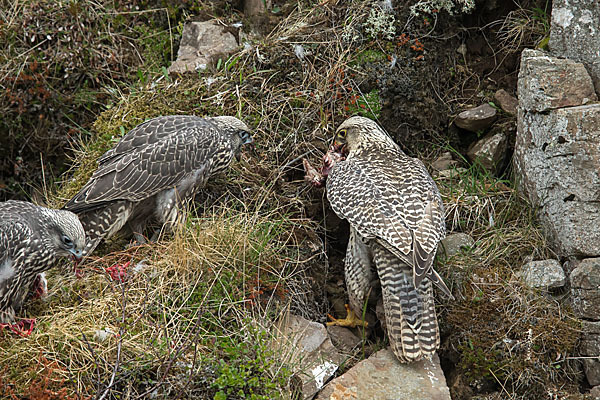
(476, 119)
(383, 377)
(314, 357)
(546, 82)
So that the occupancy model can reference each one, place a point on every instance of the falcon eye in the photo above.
(67, 241)
(342, 133)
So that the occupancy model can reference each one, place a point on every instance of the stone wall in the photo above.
(557, 155)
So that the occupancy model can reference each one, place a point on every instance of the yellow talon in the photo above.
(351, 320)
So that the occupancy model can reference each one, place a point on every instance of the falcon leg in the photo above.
(351, 320)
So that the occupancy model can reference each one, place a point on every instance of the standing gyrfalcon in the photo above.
(396, 220)
(32, 238)
(152, 170)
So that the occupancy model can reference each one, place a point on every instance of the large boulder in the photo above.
(547, 82)
(202, 44)
(556, 160)
(557, 151)
(382, 376)
(575, 33)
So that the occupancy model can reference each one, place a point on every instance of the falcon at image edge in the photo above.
(32, 239)
(396, 220)
(153, 169)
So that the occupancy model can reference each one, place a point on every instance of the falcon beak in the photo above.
(76, 254)
(252, 147)
(338, 147)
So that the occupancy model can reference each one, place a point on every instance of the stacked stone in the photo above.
(557, 155)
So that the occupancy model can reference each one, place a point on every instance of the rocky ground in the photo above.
(203, 311)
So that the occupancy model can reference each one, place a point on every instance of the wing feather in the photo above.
(394, 201)
(152, 157)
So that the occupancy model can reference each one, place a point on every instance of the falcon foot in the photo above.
(351, 320)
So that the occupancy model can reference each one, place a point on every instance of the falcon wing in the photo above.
(393, 201)
(152, 157)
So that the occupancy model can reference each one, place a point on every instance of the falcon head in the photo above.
(357, 133)
(239, 132)
(67, 234)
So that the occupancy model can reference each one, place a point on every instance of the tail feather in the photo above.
(103, 223)
(409, 312)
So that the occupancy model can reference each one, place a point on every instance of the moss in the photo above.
(503, 332)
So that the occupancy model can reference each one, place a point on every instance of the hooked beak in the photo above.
(249, 142)
(76, 254)
(338, 147)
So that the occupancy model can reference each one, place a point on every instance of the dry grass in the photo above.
(523, 27)
(218, 280)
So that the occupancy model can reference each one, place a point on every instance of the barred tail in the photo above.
(103, 223)
(409, 312)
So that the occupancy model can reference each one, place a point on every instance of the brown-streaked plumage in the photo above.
(153, 169)
(396, 220)
(32, 239)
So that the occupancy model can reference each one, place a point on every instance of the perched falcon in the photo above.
(396, 219)
(152, 170)
(32, 238)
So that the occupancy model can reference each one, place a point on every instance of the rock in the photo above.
(489, 151)
(543, 274)
(314, 358)
(382, 376)
(585, 289)
(595, 393)
(444, 162)
(202, 44)
(256, 7)
(590, 347)
(506, 102)
(575, 34)
(476, 119)
(546, 82)
(454, 244)
(343, 338)
(556, 164)
(452, 173)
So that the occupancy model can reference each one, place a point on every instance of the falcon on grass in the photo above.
(32, 239)
(396, 220)
(154, 168)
